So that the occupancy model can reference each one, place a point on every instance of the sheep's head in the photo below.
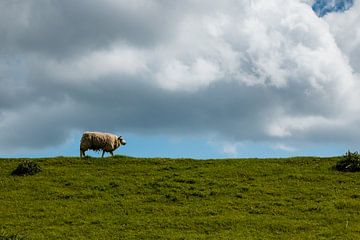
(121, 140)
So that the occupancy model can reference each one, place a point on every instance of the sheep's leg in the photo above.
(111, 153)
(103, 153)
(82, 153)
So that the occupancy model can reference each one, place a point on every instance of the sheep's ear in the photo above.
(119, 137)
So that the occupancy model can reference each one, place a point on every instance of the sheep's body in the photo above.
(96, 141)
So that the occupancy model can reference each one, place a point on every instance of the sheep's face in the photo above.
(121, 140)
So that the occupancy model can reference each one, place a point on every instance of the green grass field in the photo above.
(136, 198)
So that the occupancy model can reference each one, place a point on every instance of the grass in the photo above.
(136, 198)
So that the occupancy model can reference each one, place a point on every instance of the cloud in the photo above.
(232, 70)
(284, 147)
(230, 149)
(347, 36)
(69, 28)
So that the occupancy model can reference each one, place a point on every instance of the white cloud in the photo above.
(343, 27)
(178, 75)
(230, 149)
(284, 147)
(286, 126)
(96, 65)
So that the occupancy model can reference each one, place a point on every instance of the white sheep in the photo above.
(96, 141)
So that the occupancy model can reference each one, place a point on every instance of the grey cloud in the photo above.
(66, 28)
(228, 111)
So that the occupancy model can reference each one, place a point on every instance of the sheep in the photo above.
(96, 141)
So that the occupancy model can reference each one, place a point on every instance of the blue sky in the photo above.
(198, 79)
(196, 147)
(323, 7)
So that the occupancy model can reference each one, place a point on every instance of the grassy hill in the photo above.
(135, 198)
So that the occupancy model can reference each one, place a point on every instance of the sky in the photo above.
(193, 78)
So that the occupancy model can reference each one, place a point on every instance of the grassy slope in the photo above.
(120, 197)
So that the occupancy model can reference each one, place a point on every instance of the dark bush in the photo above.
(26, 168)
(350, 162)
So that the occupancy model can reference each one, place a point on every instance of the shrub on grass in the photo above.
(350, 162)
(26, 168)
